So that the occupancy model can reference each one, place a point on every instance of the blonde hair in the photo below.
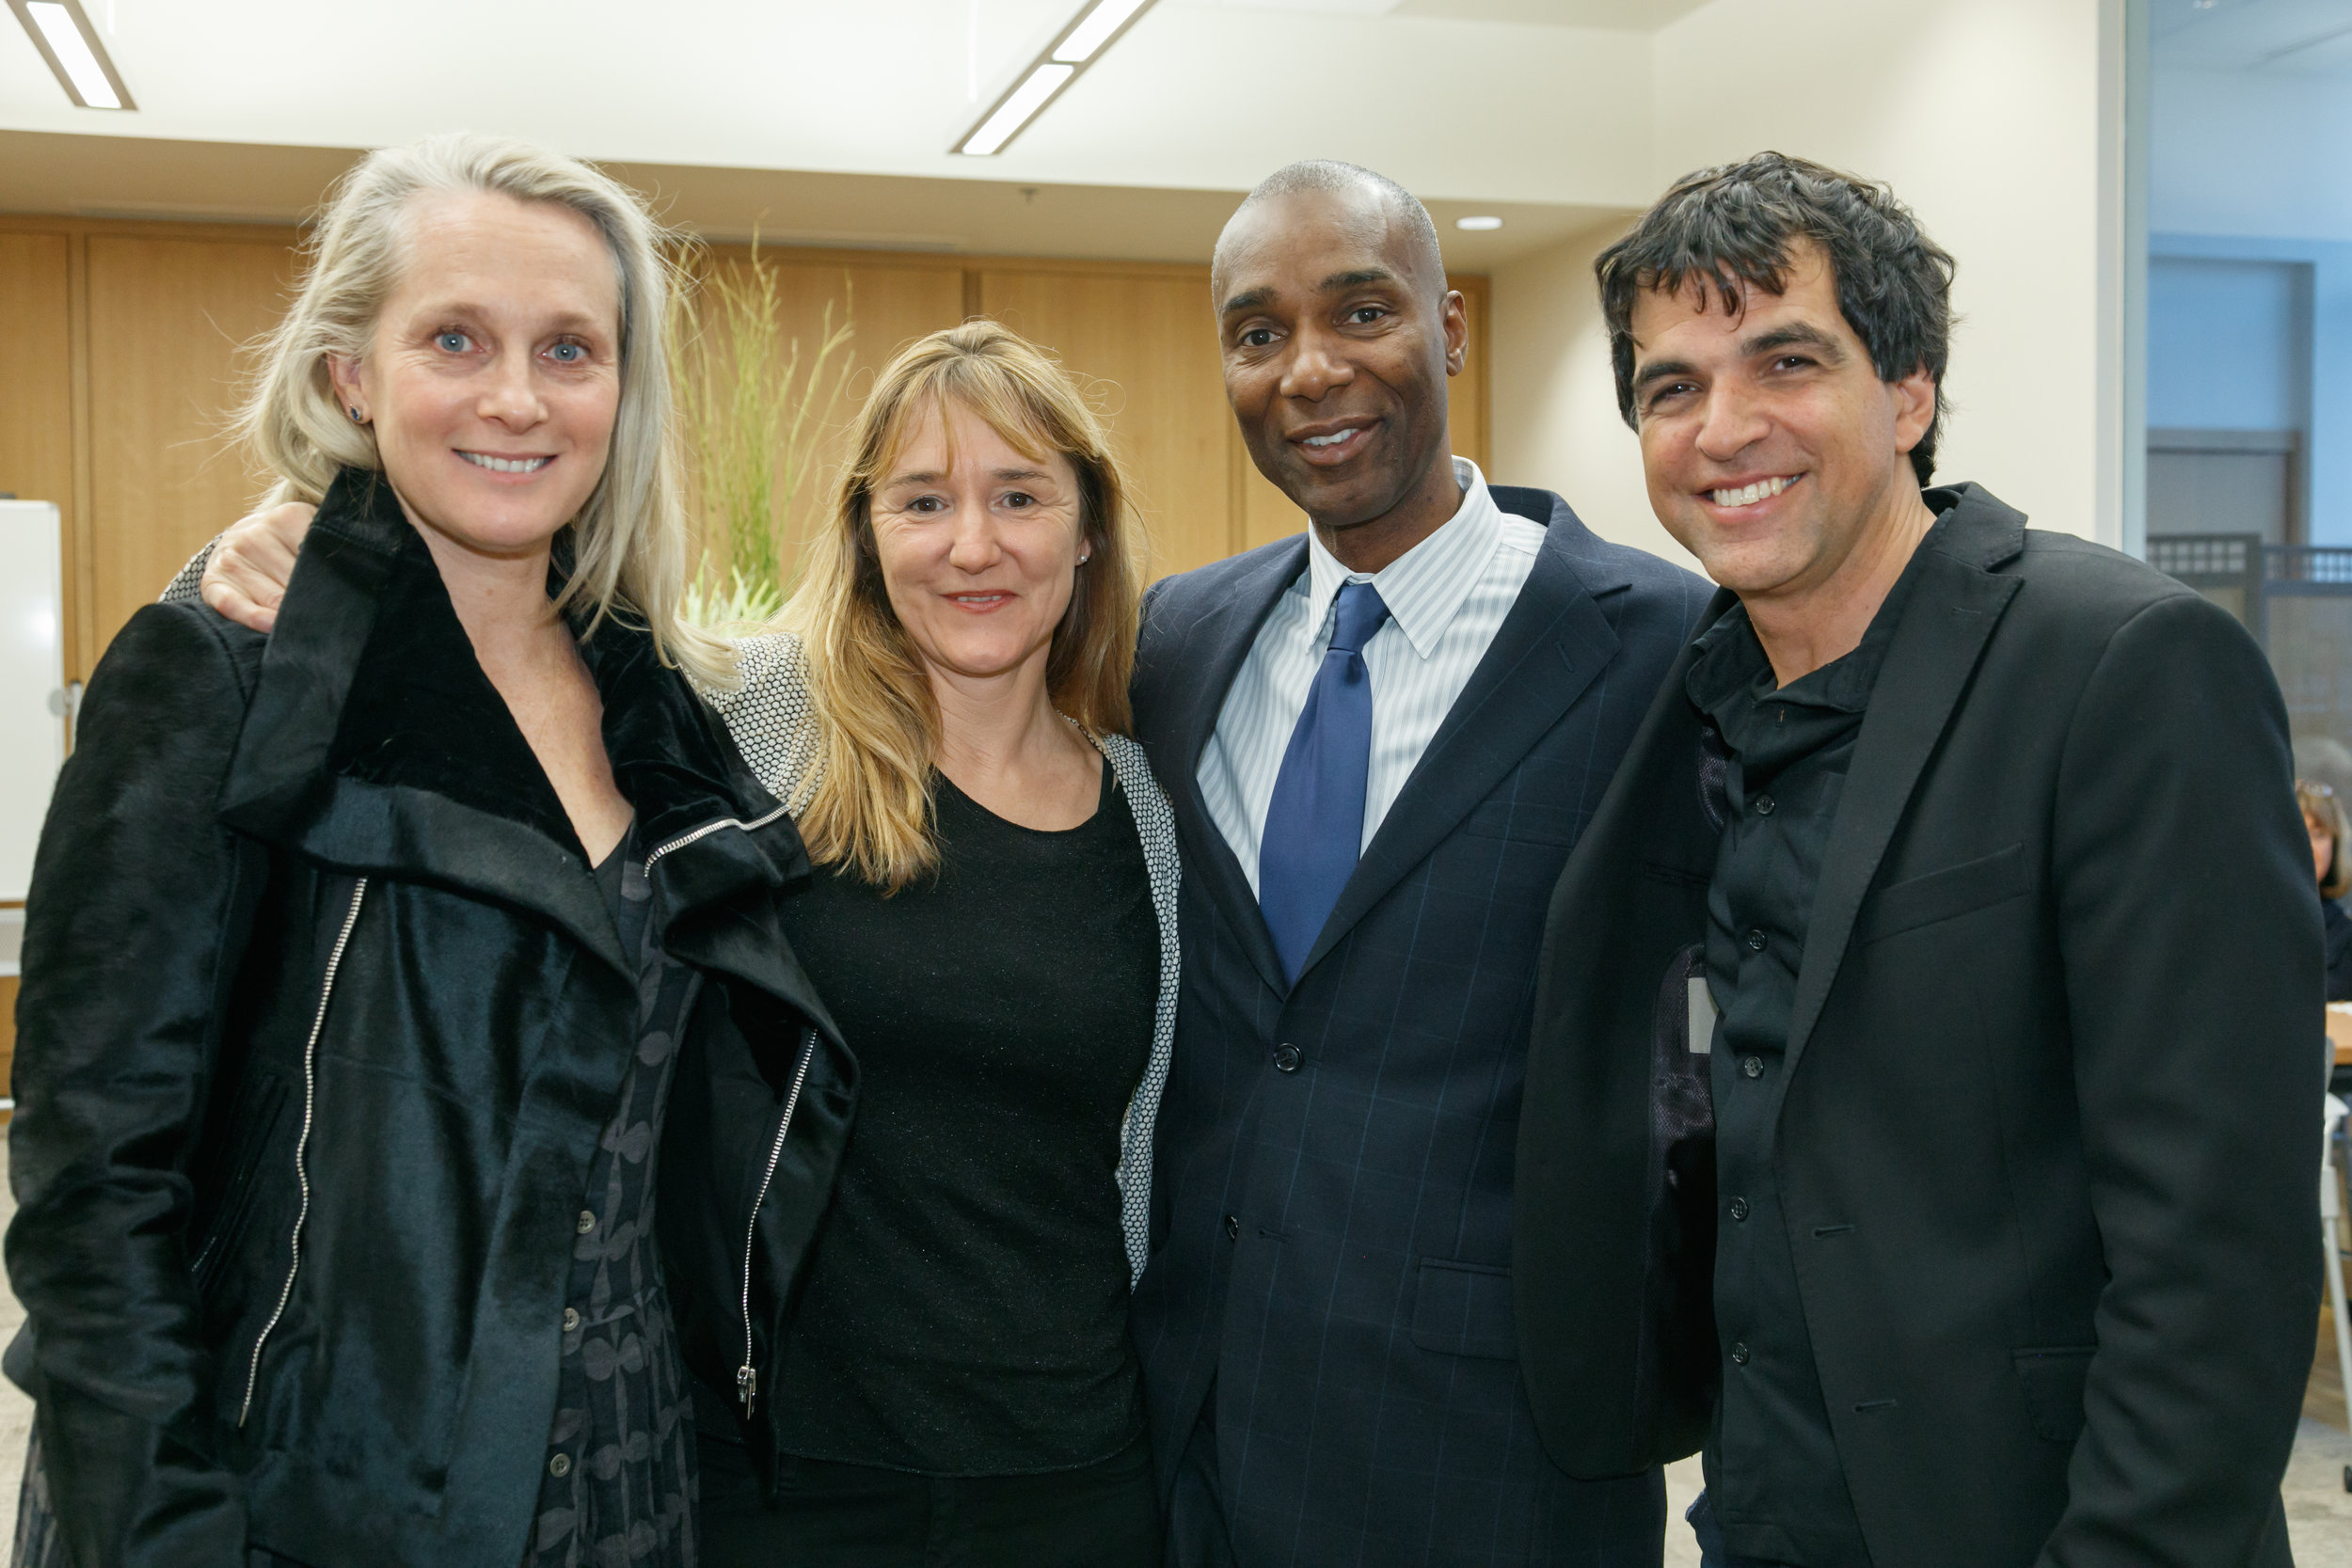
(628, 542)
(2322, 810)
(869, 804)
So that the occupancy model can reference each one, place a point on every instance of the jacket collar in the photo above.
(376, 745)
(1959, 598)
(1516, 694)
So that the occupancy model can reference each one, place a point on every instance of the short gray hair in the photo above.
(629, 540)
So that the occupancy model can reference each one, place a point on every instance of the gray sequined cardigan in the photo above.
(772, 719)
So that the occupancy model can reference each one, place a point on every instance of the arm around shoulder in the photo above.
(132, 928)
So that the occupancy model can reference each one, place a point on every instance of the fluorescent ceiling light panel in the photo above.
(1015, 111)
(1094, 29)
(1477, 224)
(62, 32)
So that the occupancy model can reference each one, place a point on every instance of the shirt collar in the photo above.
(1426, 585)
(1730, 658)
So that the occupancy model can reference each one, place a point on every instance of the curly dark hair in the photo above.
(1739, 223)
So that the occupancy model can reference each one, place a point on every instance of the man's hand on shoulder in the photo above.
(245, 579)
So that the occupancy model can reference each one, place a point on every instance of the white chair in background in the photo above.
(2330, 1211)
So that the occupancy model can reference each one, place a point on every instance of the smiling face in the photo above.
(978, 545)
(1774, 451)
(1338, 335)
(493, 377)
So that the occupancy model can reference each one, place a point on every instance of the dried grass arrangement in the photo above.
(752, 404)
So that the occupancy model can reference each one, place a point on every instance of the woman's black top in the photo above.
(966, 1310)
(619, 1486)
(2336, 930)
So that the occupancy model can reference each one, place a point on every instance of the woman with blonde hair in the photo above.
(360, 964)
(947, 1375)
(993, 924)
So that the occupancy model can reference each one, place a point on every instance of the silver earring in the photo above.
(355, 415)
(1084, 559)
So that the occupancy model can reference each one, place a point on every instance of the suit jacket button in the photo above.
(1233, 1227)
(1738, 1208)
(1739, 1352)
(1756, 941)
(1287, 1057)
(1752, 1067)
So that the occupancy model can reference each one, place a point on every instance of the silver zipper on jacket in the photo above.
(302, 1144)
(746, 1379)
(707, 828)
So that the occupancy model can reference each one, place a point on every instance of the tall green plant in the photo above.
(752, 407)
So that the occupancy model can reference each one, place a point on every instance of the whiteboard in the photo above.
(32, 682)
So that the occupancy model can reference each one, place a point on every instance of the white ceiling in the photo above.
(2292, 38)
(1472, 104)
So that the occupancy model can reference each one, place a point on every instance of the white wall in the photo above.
(1555, 420)
(1997, 120)
(2245, 152)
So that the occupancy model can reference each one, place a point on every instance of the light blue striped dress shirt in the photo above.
(1446, 597)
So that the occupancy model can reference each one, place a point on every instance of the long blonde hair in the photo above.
(628, 542)
(878, 724)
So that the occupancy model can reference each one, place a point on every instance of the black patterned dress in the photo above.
(619, 1484)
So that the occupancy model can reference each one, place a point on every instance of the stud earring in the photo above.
(355, 415)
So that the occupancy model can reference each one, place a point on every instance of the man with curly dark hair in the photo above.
(1919, 1110)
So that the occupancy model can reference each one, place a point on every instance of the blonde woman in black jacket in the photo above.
(358, 963)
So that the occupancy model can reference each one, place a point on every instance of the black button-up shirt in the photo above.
(1773, 1480)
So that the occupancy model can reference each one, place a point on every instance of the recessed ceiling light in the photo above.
(63, 34)
(1018, 107)
(1476, 224)
(1095, 27)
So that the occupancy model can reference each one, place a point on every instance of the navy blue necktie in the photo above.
(1314, 826)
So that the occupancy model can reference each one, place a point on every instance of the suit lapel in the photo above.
(1550, 647)
(1216, 645)
(1935, 652)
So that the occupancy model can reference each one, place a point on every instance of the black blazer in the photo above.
(2047, 1138)
(1332, 1208)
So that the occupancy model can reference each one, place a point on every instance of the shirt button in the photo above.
(571, 1318)
(1287, 1057)
(587, 1221)
(1764, 804)
(1755, 941)
(560, 1467)
(1752, 1067)
(1738, 1208)
(1739, 1352)
(1233, 1227)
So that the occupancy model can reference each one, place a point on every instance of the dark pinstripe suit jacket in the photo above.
(1333, 1223)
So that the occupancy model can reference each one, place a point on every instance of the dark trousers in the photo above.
(1710, 1537)
(829, 1515)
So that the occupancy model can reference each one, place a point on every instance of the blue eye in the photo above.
(568, 354)
(452, 342)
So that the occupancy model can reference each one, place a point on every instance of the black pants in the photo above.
(828, 1515)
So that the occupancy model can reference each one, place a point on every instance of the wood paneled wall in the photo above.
(119, 365)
